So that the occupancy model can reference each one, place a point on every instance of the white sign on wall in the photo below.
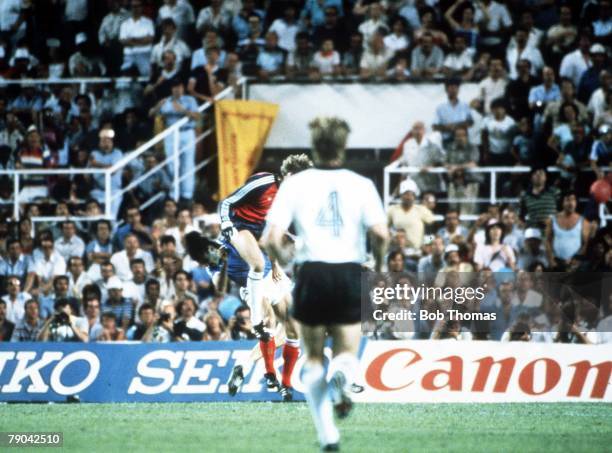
(379, 115)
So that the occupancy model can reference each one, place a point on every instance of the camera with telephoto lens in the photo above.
(60, 319)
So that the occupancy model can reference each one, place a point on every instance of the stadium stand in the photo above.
(86, 135)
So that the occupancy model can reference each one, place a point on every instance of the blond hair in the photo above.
(329, 136)
(295, 164)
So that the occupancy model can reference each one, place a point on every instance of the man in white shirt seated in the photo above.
(69, 244)
(185, 225)
(134, 289)
(15, 300)
(47, 263)
(121, 260)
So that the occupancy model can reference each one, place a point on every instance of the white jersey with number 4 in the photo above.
(331, 210)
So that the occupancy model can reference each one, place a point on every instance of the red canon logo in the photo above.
(454, 376)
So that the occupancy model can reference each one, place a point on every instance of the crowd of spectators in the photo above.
(78, 284)
(545, 269)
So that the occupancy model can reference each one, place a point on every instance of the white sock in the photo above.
(255, 289)
(321, 409)
(347, 364)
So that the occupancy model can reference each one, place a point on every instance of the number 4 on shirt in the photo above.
(329, 215)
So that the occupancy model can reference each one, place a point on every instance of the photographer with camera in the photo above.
(63, 326)
(143, 331)
(240, 325)
(163, 331)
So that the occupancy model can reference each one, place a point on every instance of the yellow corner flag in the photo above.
(242, 131)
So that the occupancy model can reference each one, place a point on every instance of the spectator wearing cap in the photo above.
(29, 327)
(69, 244)
(575, 63)
(105, 157)
(409, 216)
(181, 13)
(120, 306)
(136, 36)
(453, 113)
(601, 151)
(539, 202)
(589, 81)
(108, 36)
(532, 251)
(174, 108)
(494, 254)
(567, 234)
(170, 41)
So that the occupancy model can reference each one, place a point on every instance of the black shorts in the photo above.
(327, 293)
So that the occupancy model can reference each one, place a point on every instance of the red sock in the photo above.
(268, 349)
(290, 356)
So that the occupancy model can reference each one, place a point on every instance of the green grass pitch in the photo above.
(275, 427)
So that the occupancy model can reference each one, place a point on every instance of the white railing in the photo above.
(82, 82)
(178, 175)
(396, 168)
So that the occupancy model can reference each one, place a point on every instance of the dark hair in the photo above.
(168, 21)
(73, 257)
(61, 302)
(57, 278)
(137, 261)
(104, 222)
(151, 282)
(179, 272)
(518, 330)
(12, 241)
(144, 307)
(166, 239)
(562, 117)
(394, 253)
(452, 81)
(31, 301)
(498, 102)
(109, 315)
(488, 231)
(91, 291)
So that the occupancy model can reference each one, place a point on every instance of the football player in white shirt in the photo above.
(332, 211)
